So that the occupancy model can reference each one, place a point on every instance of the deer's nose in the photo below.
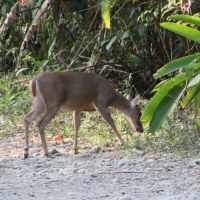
(139, 130)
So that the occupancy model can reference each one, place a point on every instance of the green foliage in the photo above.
(186, 18)
(179, 133)
(105, 10)
(170, 91)
(183, 30)
(128, 55)
(132, 47)
(177, 64)
(159, 96)
(9, 93)
(165, 107)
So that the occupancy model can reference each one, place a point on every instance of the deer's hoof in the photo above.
(48, 155)
(123, 144)
(25, 155)
(76, 151)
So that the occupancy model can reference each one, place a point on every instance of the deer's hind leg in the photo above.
(38, 109)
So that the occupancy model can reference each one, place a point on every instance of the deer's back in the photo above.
(73, 90)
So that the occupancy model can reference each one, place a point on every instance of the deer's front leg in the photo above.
(76, 116)
(50, 113)
(106, 115)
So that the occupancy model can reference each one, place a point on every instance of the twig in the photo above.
(89, 8)
(79, 23)
(116, 172)
(29, 9)
(157, 27)
(78, 54)
(21, 81)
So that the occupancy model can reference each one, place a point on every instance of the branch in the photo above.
(29, 34)
(79, 23)
(10, 18)
(157, 27)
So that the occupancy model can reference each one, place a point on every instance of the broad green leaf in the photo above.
(108, 46)
(13, 50)
(96, 56)
(165, 107)
(105, 11)
(198, 124)
(168, 10)
(158, 97)
(39, 63)
(103, 68)
(194, 81)
(103, 42)
(185, 31)
(175, 65)
(187, 18)
(188, 73)
(5, 97)
(58, 69)
(190, 70)
(197, 99)
(157, 87)
(192, 92)
(2, 87)
(137, 60)
(127, 34)
(21, 70)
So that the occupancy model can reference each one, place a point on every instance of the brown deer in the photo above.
(77, 92)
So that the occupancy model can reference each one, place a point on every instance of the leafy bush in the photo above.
(170, 91)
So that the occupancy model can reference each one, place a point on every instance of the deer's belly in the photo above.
(75, 107)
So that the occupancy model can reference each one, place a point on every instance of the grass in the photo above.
(179, 134)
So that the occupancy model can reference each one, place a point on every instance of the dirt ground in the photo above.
(116, 175)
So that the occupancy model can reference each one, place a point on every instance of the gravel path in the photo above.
(119, 175)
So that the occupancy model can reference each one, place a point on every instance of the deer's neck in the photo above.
(121, 103)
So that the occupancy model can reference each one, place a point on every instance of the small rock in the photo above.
(68, 170)
(170, 165)
(115, 180)
(104, 195)
(159, 169)
(126, 198)
(192, 164)
(138, 152)
(58, 154)
(67, 140)
(5, 166)
(53, 151)
(94, 175)
(136, 188)
(96, 149)
(125, 161)
(36, 155)
(49, 136)
(54, 143)
(35, 150)
(72, 194)
(197, 161)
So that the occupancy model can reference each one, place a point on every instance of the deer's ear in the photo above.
(135, 101)
(128, 97)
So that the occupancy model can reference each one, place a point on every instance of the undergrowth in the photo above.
(180, 132)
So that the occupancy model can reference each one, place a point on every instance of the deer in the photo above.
(76, 92)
